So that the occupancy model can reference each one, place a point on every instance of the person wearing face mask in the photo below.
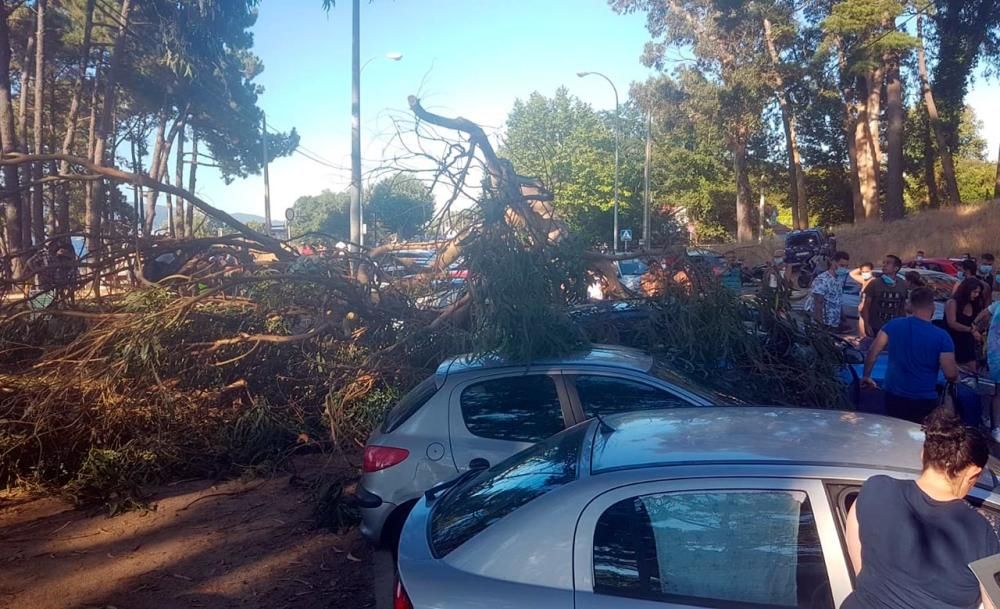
(969, 269)
(960, 313)
(826, 293)
(883, 298)
(919, 262)
(986, 270)
(911, 541)
(777, 279)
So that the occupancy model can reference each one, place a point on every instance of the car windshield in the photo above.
(632, 267)
(472, 507)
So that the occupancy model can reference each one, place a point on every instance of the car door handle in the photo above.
(479, 463)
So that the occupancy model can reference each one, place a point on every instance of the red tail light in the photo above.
(400, 600)
(381, 457)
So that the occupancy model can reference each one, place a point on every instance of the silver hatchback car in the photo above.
(722, 507)
(474, 413)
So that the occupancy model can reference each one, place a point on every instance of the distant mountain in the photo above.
(160, 221)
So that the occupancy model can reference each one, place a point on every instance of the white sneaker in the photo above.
(995, 433)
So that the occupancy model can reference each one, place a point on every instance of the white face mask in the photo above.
(778, 261)
(866, 275)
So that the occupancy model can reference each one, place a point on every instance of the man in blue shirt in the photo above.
(917, 351)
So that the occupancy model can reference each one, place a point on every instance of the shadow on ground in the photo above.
(232, 544)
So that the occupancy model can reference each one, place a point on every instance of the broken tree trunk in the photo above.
(950, 186)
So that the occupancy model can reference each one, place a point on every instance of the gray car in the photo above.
(474, 413)
(721, 507)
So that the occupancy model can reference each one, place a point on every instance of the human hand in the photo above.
(868, 383)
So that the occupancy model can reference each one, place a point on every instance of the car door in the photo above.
(605, 393)
(722, 543)
(494, 416)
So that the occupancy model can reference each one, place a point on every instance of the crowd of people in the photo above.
(897, 313)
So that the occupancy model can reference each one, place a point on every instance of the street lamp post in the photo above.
(617, 144)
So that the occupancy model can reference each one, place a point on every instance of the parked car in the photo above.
(707, 260)
(477, 412)
(941, 265)
(630, 273)
(808, 252)
(942, 284)
(722, 507)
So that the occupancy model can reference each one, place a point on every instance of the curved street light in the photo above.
(617, 138)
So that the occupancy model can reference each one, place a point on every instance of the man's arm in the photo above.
(878, 345)
(819, 306)
(949, 366)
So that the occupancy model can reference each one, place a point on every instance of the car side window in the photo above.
(721, 549)
(605, 395)
(517, 408)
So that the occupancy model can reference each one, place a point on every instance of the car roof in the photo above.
(754, 435)
(605, 356)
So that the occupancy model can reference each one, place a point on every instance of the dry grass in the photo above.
(940, 233)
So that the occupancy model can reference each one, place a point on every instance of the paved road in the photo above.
(383, 579)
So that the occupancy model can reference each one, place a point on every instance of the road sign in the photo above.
(627, 234)
(290, 214)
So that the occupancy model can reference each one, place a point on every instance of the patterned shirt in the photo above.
(831, 288)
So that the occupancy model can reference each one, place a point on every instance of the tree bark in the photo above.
(89, 221)
(858, 204)
(192, 181)
(104, 125)
(951, 194)
(895, 116)
(179, 224)
(154, 166)
(158, 166)
(37, 191)
(867, 171)
(171, 227)
(69, 138)
(22, 137)
(8, 144)
(796, 176)
(930, 167)
(744, 223)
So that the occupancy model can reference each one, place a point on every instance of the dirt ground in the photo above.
(231, 544)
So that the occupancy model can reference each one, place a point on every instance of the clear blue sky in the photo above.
(472, 58)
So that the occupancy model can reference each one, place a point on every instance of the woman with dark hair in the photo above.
(911, 541)
(960, 313)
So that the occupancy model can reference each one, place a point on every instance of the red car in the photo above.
(941, 265)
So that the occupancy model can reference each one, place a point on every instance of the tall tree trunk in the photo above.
(744, 204)
(154, 165)
(104, 124)
(37, 192)
(872, 135)
(11, 197)
(930, 166)
(171, 227)
(192, 181)
(796, 176)
(158, 166)
(91, 219)
(858, 203)
(69, 138)
(179, 224)
(895, 116)
(951, 194)
(22, 139)
(867, 171)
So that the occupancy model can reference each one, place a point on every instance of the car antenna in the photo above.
(603, 424)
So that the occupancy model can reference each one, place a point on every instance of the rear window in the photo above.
(470, 509)
(632, 267)
(411, 403)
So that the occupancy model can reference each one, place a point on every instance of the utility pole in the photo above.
(355, 211)
(267, 183)
(645, 179)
